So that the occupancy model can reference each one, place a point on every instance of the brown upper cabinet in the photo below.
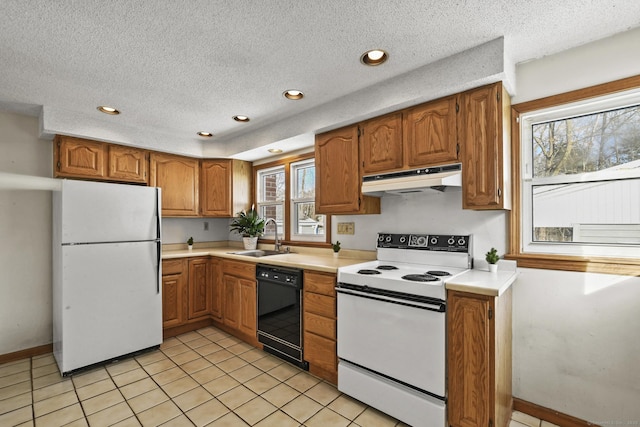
(225, 187)
(179, 178)
(128, 164)
(338, 185)
(381, 144)
(429, 134)
(484, 135)
(83, 158)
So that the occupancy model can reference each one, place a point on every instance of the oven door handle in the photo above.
(438, 307)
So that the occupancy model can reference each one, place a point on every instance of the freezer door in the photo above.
(105, 212)
(110, 303)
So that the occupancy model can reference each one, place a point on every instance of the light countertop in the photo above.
(305, 258)
(481, 281)
(477, 281)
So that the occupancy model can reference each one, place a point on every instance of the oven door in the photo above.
(400, 339)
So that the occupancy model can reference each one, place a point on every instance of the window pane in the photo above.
(275, 212)
(272, 188)
(305, 180)
(587, 143)
(587, 212)
(306, 220)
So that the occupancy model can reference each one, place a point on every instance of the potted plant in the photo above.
(190, 243)
(492, 258)
(336, 248)
(250, 226)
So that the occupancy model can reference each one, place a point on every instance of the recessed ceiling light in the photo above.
(241, 118)
(274, 150)
(205, 134)
(374, 57)
(108, 110)
(293, 94)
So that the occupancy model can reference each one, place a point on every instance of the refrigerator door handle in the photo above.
(158, 240)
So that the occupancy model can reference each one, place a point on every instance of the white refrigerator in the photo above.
(107, 299)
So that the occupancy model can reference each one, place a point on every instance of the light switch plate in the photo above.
(346, 227)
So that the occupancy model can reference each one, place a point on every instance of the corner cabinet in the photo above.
(225, 187)
(178, 177)
(215, 280)
(479, 359)
(484, 135)
(319, 320)
(338, 179)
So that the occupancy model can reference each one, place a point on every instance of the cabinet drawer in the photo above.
(320, 351)
(239, 269)
(320, 283)
(320, 325)
(319, 304)
(173, 266)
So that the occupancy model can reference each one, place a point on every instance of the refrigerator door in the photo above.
(110, 303)
(105, 212)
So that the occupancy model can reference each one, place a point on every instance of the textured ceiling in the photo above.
(177, 67)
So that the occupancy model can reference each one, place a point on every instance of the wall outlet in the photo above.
(346, 227)
(206, 226)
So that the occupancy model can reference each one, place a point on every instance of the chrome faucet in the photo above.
(277, 245)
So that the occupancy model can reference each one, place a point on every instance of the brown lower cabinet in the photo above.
(319, 324)
(239, 309)
(479, 359)
(174, 292)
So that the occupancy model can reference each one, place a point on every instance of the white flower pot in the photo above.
(336, 254)
(190, 247)
(493, 268)
(250, 243)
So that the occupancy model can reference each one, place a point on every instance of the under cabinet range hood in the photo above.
(414, 181)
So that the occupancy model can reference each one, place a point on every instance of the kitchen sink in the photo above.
(257, 253)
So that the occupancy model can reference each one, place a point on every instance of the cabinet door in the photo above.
(338, 186)
(381, 144)
(430, 133)
(173, 300)
(81, 158)
(215, 281)
(470, 356)
(480, 135)
(216, 188)
(248, 309)
(231, 304)
(178, 177)
(199, 288)
(127, 164)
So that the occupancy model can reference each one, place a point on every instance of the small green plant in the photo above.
(190, 241)
(492, 256)
(336, 246)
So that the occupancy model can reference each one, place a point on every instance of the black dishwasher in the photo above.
(279, 312)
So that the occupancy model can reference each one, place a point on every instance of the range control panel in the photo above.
(428, 242)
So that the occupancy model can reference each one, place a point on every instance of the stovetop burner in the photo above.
(367, 271)
(386, 267)
(420, 278)
(438, 273)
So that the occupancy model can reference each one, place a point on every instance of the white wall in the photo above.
(575, 338)
(178, 230)
(25, 238)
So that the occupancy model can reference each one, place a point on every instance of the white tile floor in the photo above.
(201, 378)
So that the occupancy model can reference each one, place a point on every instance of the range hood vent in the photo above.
(437, 178)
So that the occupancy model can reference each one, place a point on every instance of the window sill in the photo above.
(619, 266)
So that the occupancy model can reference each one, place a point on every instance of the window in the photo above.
(580, 177)
(285, 191)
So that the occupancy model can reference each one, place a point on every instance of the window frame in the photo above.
(287, 163)
(545, 260)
